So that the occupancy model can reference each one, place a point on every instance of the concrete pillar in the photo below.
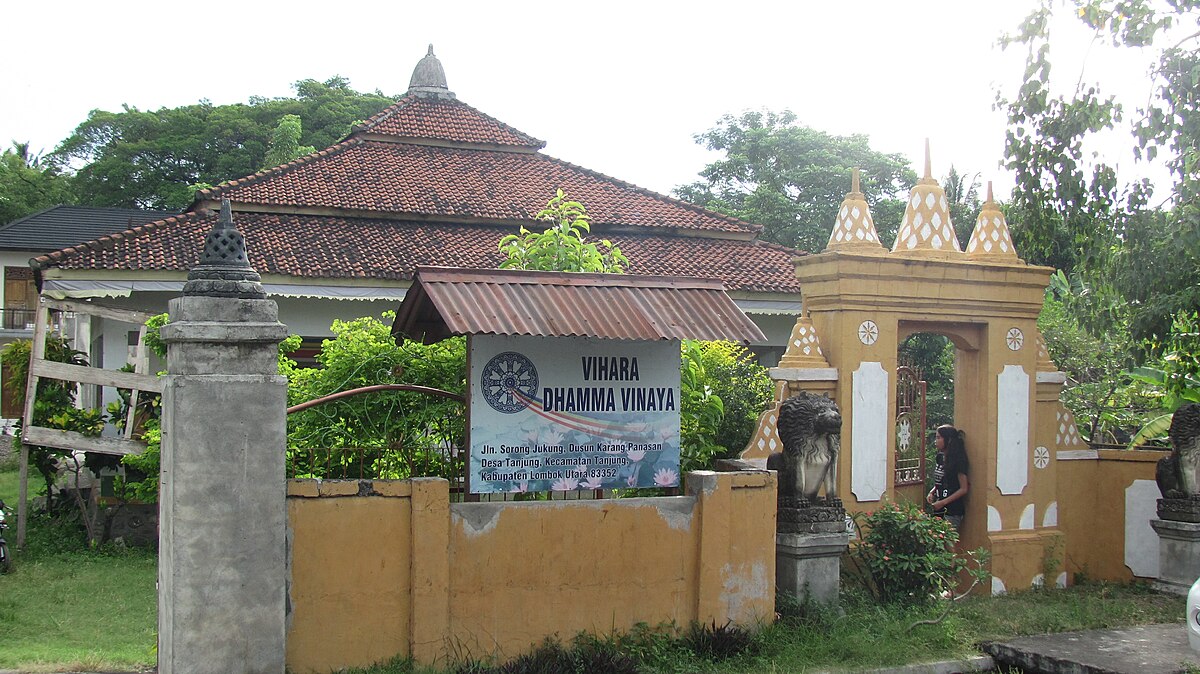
(1178, 555)
(430, 582)
(222, 568)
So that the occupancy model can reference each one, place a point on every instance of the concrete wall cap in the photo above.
(803, 373)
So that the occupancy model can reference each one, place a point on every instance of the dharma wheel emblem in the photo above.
(1041, 457)
(1015, 339)
(868, 333)
(507, 381)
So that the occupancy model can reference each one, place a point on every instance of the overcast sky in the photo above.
(618, 87)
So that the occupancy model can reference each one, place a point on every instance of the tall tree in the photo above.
(962, 198)
(791, 178)
(29, 184)
(1140, 261)
(285, 142)
(143, 158)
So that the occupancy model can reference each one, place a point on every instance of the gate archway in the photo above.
(862, 300)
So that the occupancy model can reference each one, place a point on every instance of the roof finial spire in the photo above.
(226, 221)
(989, 197)
(928, 163)
(429, 78)
(854, 182)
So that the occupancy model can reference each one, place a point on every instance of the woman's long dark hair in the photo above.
(952, 437)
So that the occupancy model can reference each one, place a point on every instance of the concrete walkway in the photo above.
(1149, 649)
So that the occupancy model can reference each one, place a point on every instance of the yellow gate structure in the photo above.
(861, 301)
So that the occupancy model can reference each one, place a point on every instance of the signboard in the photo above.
(567, 413)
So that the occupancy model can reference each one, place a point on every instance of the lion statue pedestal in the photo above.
(810, 528)
(1178, 523)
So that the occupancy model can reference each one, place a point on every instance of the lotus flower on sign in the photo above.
(565, 484)
(665, 477)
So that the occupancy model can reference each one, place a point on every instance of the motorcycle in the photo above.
(5, 559)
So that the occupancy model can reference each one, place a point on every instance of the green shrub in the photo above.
(388, 434)
(701, 410)
(744, 388)
(907, 556)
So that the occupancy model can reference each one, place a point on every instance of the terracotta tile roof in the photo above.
(448, 120)
(310, 246)
(422, 181)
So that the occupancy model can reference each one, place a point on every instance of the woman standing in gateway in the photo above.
(950, 482)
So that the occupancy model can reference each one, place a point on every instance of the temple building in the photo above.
(428, 181)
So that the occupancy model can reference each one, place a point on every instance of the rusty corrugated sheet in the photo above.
(447, 301)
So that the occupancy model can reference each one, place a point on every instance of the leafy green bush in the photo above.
(388, 434)
(745, 390)
(701, 410)
(907, 556)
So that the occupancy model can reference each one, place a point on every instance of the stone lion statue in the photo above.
(1177, 473)
(810, 427)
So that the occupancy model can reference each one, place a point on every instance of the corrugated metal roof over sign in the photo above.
(447, 301)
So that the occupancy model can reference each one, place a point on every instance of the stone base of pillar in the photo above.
(1178, 555)
(808, 565)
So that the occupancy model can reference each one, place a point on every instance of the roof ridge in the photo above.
(749, 226)
(109, 240)
(258, 176)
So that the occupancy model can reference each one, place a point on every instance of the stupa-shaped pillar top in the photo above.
(926, 227)
(854, 228)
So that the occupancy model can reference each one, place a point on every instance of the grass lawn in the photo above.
(68, 608)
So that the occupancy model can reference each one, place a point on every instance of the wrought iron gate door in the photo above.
(910, 427)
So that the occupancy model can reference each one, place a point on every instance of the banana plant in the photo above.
(1179, 388)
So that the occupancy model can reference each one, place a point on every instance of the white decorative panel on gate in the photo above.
(869, 432)
(1012, 430)
(1141, 540)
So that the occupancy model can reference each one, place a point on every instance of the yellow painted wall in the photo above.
(328, 525)
(405, 572)
(1091, 493)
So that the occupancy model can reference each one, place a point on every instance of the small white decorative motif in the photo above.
(904, 435)
(1041, 457)
(1015, 339)
(868, 332)
(993, 519)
